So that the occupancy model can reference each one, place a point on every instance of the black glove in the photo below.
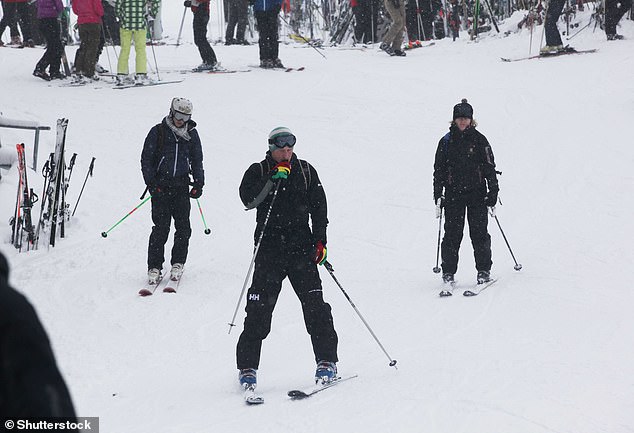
(196, 191)
(491, 199)
(155, 190)
(187, 3)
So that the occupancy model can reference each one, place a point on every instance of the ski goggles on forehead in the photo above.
(283, 141)
(182, 116)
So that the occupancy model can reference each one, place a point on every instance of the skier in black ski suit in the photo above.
(172, 151)
(290, 188)
(30, 383)
(465, 168)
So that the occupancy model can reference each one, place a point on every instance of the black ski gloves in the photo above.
(196, 191)
(491, 199)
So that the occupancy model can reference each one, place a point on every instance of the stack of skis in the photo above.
(54, 208)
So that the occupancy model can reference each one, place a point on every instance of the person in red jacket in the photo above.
(17, 11)
(89, 14)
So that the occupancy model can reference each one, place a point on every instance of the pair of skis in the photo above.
(252, 398)
(479, 288)
(171, 286)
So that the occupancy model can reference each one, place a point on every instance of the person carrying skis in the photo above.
(286, 191)
(133, 16)
(464, 167)
(200, 8)
(171, 152)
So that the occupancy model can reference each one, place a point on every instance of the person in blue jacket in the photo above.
(171, 153)
(266, 12)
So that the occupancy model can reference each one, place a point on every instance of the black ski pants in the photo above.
(207, 54)
(456, 207)
(614, 11)
(238, 10)
(171, 203)
(274, 262)
(14, 13)
(50, 28)
(555, 7)
(267, 27)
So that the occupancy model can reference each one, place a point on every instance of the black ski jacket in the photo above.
(167, 159)
(30, 383)
(464, 164)
(298, 197)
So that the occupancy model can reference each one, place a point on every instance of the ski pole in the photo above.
(207, 229)
(436, 268)
(105, 234)
(307, 41)
(331, 271)
(517, 266)
(45, 172)
(255, 253)
(92, 165)
(152, 45)
(180, 30)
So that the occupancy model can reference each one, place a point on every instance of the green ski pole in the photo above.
(105, 234)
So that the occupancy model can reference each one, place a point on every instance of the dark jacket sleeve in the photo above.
(196, 160)
(318, 206)
(254, 185)
(30, 382)
(488, 165)
(148, 156)
(440, 170)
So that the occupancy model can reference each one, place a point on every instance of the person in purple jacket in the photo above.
(47, 13)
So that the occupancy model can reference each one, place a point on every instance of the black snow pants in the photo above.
(171, 203)
(201, 18)
(276, 260)
(267, 26)
(456, 206)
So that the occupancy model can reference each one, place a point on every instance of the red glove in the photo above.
(321, 253)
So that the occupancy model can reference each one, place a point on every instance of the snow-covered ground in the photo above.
(546, 349)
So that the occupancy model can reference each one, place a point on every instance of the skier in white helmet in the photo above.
(171, 161)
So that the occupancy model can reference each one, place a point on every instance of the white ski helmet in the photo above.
(181, 105)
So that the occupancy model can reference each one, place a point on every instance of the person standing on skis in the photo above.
(172, 151)
(465, 184)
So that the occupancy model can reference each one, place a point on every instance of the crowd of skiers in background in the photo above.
(123, 21)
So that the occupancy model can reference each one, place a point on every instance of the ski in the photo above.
(479, 288)
(416, 44)
(299, 69)
(172, 284)
(149, 84)
(27, 200)
(250, 396)
(57, 179)
(448, 289)
(297, 394)
(151, 288)
(213, 72)
(543, 56)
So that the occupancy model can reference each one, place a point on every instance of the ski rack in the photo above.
(28, 125)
